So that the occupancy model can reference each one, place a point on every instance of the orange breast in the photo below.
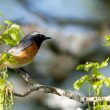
(27, 55)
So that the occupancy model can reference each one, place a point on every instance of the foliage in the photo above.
(6, 98)
(9, 35)
(107, 38)
(95, 79)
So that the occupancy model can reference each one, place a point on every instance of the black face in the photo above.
(38, 38)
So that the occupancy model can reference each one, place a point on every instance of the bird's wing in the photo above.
(19, 48)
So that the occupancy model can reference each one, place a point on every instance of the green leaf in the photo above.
(78, 84)
(96, 81)
(80, 67)
(8, 22)
(2, 27)
(107, 38)
(15, 26)
(15, 38)
(6, 57)
(11, 36)
(95, 77)
(0, 37)
(107, 82)
(10, 33)
(87, 66)
(104, 63)
(96, 84)
(84, 67)
(9, 41)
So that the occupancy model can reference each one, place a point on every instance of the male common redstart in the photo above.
(26, 50)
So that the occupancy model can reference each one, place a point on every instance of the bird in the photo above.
(26, 50)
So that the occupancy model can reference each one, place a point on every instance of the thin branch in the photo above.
(60, 92)
(52, 90)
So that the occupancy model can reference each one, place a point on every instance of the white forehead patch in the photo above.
(35, 33)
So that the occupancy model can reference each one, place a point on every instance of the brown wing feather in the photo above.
(24, 57)
(27, 55)
(19, 48)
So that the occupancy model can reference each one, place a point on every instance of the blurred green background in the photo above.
(77, 29)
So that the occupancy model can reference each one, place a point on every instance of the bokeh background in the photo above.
(77, 29)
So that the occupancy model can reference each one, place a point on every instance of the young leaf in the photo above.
(107, 38)
(97, 85)
(84, 67)
(6, 57)
(107, 82)
(80, 67)
(104, 63)
(78, 84)
(8, 22)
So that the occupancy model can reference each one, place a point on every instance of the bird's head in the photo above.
(38, 37)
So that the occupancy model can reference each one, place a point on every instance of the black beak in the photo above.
(47, 38)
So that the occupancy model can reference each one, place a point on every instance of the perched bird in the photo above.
(26, 50)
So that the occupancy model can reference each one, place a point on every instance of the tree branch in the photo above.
(52, 90)
(60, 92)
